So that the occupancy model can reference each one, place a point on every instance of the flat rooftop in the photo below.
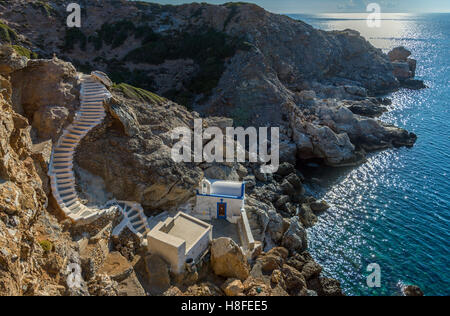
(188, 229)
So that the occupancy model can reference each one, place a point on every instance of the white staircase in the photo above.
(133, 217)
(91, 113)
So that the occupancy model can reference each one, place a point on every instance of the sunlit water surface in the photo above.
(395, 209)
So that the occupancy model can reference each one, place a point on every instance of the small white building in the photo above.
(180, 239)
(220, 199)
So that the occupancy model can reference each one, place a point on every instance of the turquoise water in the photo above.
(395, 209)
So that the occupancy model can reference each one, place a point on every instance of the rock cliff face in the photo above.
(33, 248)
(234, 60)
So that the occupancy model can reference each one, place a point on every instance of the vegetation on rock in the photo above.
(23, 51)
(138, 93)
(7, 34)
(46, 245)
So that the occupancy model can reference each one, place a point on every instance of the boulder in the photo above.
(275, 226)
(285, 169)
(325, 286)
(413, 84)
(288, 188)
(306, 215)
(295, 238)
(282, 201)
(311, 270)
(401, 70)
(228, 260)
(399, 54)
(412, 290)
(295, 281)
(10, 61)
(319, 206)
(233, 287)
(57, 78)
(49, 121)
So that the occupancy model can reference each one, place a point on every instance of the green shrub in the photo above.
(46, 245)
(138, 93)
(25, 52)
(7, 34)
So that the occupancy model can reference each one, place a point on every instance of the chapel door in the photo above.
(221, 210)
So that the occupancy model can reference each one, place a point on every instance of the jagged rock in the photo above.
(173, 291)
(103, 78)
(401, 70)
(311, 270)
(48, 121)
(306, 215)
(368, 133)
(319, 206)
(10, 61)
(412, 290)
(296, 182)
(285, 169)
(233, 287)
(399, 54)
(275, 226)
(259, 175)
(60, 82)
(295, 238)
(228, 260)
(413, 84)
(282, 201)
(295, 281)
(288, 188)
(364, 107)
(325, 287)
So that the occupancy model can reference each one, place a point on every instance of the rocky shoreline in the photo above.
(323, 89)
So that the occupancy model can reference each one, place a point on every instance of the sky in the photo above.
(334, 6)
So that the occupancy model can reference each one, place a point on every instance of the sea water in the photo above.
(394, 210)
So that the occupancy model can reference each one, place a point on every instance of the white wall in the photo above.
(206, 207)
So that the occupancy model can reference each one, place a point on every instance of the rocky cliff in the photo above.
(233, 64)
(234, 60)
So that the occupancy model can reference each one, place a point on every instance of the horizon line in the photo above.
(363, 12)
